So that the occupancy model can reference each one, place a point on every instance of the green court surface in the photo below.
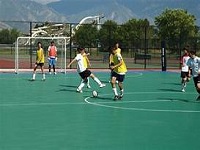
(50, 115)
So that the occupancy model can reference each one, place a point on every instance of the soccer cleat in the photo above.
(43, 79)
(183, 90)
(32, 79)
(55, 73)
(79, 91)
(121, 96)
(88, 86)
(116, 97)
(102, 85)
(49, 72)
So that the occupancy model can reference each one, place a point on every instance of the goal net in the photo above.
(26, 47)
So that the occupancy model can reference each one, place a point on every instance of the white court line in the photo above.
(103, 104)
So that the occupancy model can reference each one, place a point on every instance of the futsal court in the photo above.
(50, 115)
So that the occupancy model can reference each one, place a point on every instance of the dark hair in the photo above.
(193, 52)
(79, 49)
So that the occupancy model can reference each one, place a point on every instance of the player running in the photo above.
(83, 71)
(185, 71)
(194, 63)
(118, 73)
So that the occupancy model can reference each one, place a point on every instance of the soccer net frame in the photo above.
(28, 41)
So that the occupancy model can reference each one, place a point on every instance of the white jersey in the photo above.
(194, 63)
(80, 63)
(185, 67)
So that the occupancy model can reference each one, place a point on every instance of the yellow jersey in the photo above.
(122, 68)
(40, 56)
(118, 50)
(85, 60)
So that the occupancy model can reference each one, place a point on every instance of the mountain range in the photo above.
(122, 10)
(73, 11)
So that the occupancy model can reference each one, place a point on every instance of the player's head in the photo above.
(52, 43)
(192, 54)
(80, 50)
(186, 50)
(39, 44)
(113, 50)
(116, 45)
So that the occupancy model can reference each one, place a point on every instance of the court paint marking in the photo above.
(103, 104)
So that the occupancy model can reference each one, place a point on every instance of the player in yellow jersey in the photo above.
(39, 61)
(118, 50)
(87, 64)
(118, 73)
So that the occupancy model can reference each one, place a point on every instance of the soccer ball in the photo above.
(94, 93)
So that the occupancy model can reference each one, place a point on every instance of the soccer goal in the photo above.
(26, 47)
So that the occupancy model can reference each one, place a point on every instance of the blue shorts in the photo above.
(119, 77)
(52, 61)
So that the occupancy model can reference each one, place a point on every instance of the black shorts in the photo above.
(85, 74)
(119, 77)
(196, 80)
(184, 74)
(39, 64)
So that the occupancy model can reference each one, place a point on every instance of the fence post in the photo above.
(163, 56)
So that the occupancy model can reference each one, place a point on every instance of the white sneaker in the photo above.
(102, 85)
(78, 90)
(88, 86)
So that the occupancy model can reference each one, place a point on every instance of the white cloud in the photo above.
(45, 1)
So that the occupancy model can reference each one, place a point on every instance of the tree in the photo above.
(108, 34)
(175, 26)
(134, 32)
(8, 36)
(86, 35)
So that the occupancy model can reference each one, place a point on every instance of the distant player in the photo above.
(185, 71)
(194, 63)
(83, 71)
(118, 73)
(52, 57)
(39, 61)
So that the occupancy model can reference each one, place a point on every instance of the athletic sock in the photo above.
(43, 75)
(34, 76)
(122, 92)
(115, 91)
(81, 85)
(97, 80)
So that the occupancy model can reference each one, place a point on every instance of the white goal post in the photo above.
(25, 49)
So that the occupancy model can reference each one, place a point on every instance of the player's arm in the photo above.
(71, 63)
(117, 65)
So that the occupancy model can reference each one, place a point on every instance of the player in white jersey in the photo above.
(83, 71)
(194, 63)
(185, 71)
